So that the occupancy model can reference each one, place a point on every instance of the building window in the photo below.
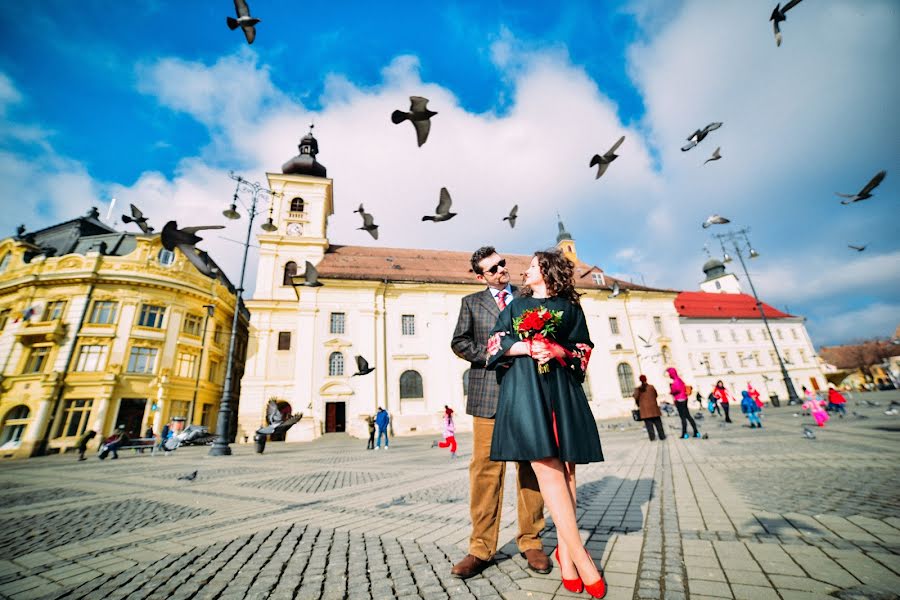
(666, 355)
(217, 334)
(206, 416)
(626, 379)
(706, 363)
(186, 365)
(4, 318)
(411, 385)
(408, 324)
(335, 364)
(614, 325)
(780, 335)
(741, 362)
(54, 310)
(290, 271)
(466, 382)
(773, 357)
(756, 359)
(718, 285)
(716, 335)
(92, 358)
(14, 424)
(297, 205)
(193, 325)
(103, 312)
(284, 340)
(724, 359)
(734, 335)
(802, 356)
(37, 359)
(165, 257)
(142, 359)
(179, 408)
(151, 316)
(657, 323)
(700, 337)
(794, 334)
(213, 375)
(749, 336)
(76, 417)
(765, 334)
(598, 278)
(787, 357)
(337, 323)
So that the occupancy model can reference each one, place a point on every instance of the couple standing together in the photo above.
(528, 406)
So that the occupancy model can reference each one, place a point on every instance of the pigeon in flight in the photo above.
(698, 136)
(716, 155)
(419, 115)
(244, 20)
(310, 276)
(443, 209)
(857, 248)
(189, 477)
(809, 433)
(714, 220)
(362, 367)
(646, 343)
(603, 161)
(866, 192)
(368, 222)
(778, 16)
(513, 215)
(185, 239)
(615, 290)
(138, 218)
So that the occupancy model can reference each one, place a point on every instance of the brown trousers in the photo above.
(486, 497)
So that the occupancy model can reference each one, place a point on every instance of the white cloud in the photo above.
(876, 320)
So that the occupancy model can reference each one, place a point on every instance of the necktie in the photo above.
(501, 299)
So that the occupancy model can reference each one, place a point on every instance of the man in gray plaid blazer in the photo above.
(477, 317)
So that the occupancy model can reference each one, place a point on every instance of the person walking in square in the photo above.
(478, 314)
(836, 401)
(817, 408)
(679, 394)
(723, 397)
(382, 420)
(371, 424)
(645, 396)
(750, 408)
(449, 431)
(83, 441)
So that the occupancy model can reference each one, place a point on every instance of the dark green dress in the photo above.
(529, 400)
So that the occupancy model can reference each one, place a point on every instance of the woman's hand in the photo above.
(544, 350)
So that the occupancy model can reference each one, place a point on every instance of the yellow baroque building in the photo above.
(100, 329)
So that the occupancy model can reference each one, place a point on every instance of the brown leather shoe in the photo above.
(537, 561)
(470, 566)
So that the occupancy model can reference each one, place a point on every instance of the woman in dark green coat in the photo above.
(543, 415)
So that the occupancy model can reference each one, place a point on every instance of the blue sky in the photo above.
(154, 102)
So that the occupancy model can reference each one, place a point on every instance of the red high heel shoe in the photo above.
(597, 589)
(573, 585)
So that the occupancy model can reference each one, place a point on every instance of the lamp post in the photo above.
(223, 422)
(735, 238)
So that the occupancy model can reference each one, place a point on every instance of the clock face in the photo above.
(294, 229)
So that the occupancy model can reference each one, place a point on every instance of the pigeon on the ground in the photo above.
(857, 248)
(716, 155)
(188, 477)
(138, 218)
(310, 276)
(615, 290)
(864, 193)
(443, 209)
(698, 136)
(244, 20)
(362, 367)
(809, 433)
(368, 222)
(778, 16)
(419, 115)
(513, 215)
(185, 239)
(859, 415)
(604, 160)
(714, 220)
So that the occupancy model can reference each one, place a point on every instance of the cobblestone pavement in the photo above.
(746, 514)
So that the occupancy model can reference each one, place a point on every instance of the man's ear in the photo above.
(480, 277)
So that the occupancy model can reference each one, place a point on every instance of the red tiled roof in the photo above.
(853, 356)
(706, 305)
(436, 266)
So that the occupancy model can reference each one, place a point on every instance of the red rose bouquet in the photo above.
(538, 324)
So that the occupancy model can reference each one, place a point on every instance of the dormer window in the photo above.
(598, 278)
(297, 204)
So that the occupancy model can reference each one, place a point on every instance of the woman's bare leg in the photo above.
(559, 499)
(566, 565)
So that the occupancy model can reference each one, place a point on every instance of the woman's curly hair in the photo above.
(558, 273)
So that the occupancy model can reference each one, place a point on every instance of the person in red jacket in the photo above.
(722, 396)
(836, 401)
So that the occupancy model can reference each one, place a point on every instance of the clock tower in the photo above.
(300, 211)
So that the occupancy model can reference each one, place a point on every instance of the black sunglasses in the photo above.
(493, 270)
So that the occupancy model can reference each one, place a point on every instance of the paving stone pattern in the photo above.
(746, 514)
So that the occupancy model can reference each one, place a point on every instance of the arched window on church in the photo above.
(297, 205)
(411, 385)
(626, 379)
(666, 355)
(466, 382)
(290, 270)
(14, 425)
(335, 364)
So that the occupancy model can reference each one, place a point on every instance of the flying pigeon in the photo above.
(716, 155)
(189, 477)
(698, 136)
(778, 16)
(419, 115)
(443, 209)
(615, 289)
(185, 239)
(809, 433)
(368, 222)
(311, 276)
(857, 248)
(513, 215)
(138, 218)
(714, 220)
(646, 343)
(362, 367)
(244, 20)
(864, 193)
(603, 161)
